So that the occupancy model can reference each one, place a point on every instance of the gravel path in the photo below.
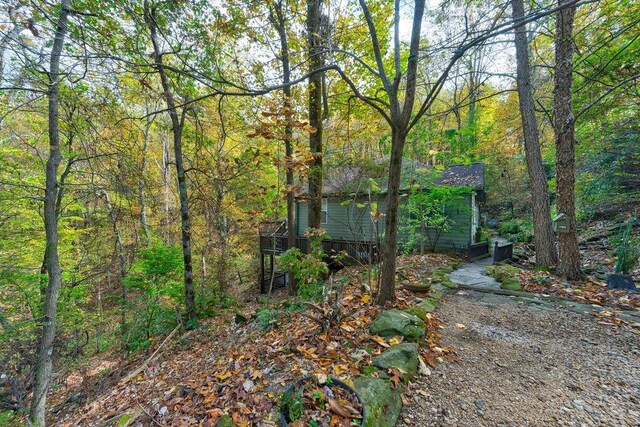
(523, 365)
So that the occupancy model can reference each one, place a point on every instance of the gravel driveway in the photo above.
(525, 365)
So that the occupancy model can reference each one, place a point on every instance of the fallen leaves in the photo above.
(395, 377)
(242, 370)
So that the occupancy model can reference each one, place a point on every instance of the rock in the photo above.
(480, 405)
(621, 281)
(421, 310)
(417, 311)
(240, 318)
(381, 402)
(428, 305)
(436, 293)
(449, 284)
(402, 356)
(225, 421)
(511, 284)
(502, 272)
(446, 269)
(394, 322)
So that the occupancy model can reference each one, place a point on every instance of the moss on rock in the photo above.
(511, 284)
(381, 402)
(502, 272)
(394, 322)
(403, 357)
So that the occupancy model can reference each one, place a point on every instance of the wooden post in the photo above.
(271, 272)
(262, 289)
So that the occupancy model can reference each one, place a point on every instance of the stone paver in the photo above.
(474, 274)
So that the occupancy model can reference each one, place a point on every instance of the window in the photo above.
(324, 217)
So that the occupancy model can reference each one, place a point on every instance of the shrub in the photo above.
(156, 279)
(267, 319)
(309, 269)
(429, 214)
(628, 248)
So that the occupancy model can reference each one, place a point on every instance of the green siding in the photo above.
(351, 222)
(346, 222)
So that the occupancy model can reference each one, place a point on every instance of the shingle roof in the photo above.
(463, 175)
(355, 179)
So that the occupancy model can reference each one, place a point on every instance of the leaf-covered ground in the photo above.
(239, 369)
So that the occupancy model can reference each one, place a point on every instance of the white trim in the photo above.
(324, 209)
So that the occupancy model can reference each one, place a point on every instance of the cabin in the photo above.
(354, 205)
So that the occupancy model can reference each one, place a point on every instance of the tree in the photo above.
(314, 46)
(177, 122)
(564, 130)
(44, 364)
(277, 17)
(543, 236)
(397, 107)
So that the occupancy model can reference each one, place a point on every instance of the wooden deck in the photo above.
(274, 240)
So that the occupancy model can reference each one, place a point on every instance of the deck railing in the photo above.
(478, 250)
(274, 240)
(502, 252)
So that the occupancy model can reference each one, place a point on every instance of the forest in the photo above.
(146, 146)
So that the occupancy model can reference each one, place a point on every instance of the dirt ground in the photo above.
(526, 365)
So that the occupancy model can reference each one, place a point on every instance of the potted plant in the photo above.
(628, 252)
(320, 400)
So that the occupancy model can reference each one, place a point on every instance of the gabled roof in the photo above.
(463, 175)
(356, 179)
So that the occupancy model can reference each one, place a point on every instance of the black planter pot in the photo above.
(621, 281)
(284, 417)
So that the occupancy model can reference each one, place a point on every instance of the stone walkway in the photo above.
(475, 274)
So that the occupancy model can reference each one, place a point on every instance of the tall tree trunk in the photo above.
(564, 128)
(44, 363)
(177, 126)
(144, 225)
(543, 236)
(390, 246)
(166, 184)
(279, 21)
(314, 44)
(400, 115)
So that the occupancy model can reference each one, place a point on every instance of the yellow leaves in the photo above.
(386, 344)
(396, 340)
(380, 341)
(223, 375)
(308, 353)
(346, 327)
(365, 298)
(340, 369)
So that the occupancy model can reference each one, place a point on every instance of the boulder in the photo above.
(621, 281)
(403, 356)
(428, 305)
(382, 404)
(416, 311)
(421, 310)
(394, 322)
(449, 284)
(437, 292)
(511, 284)
(502, 272)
